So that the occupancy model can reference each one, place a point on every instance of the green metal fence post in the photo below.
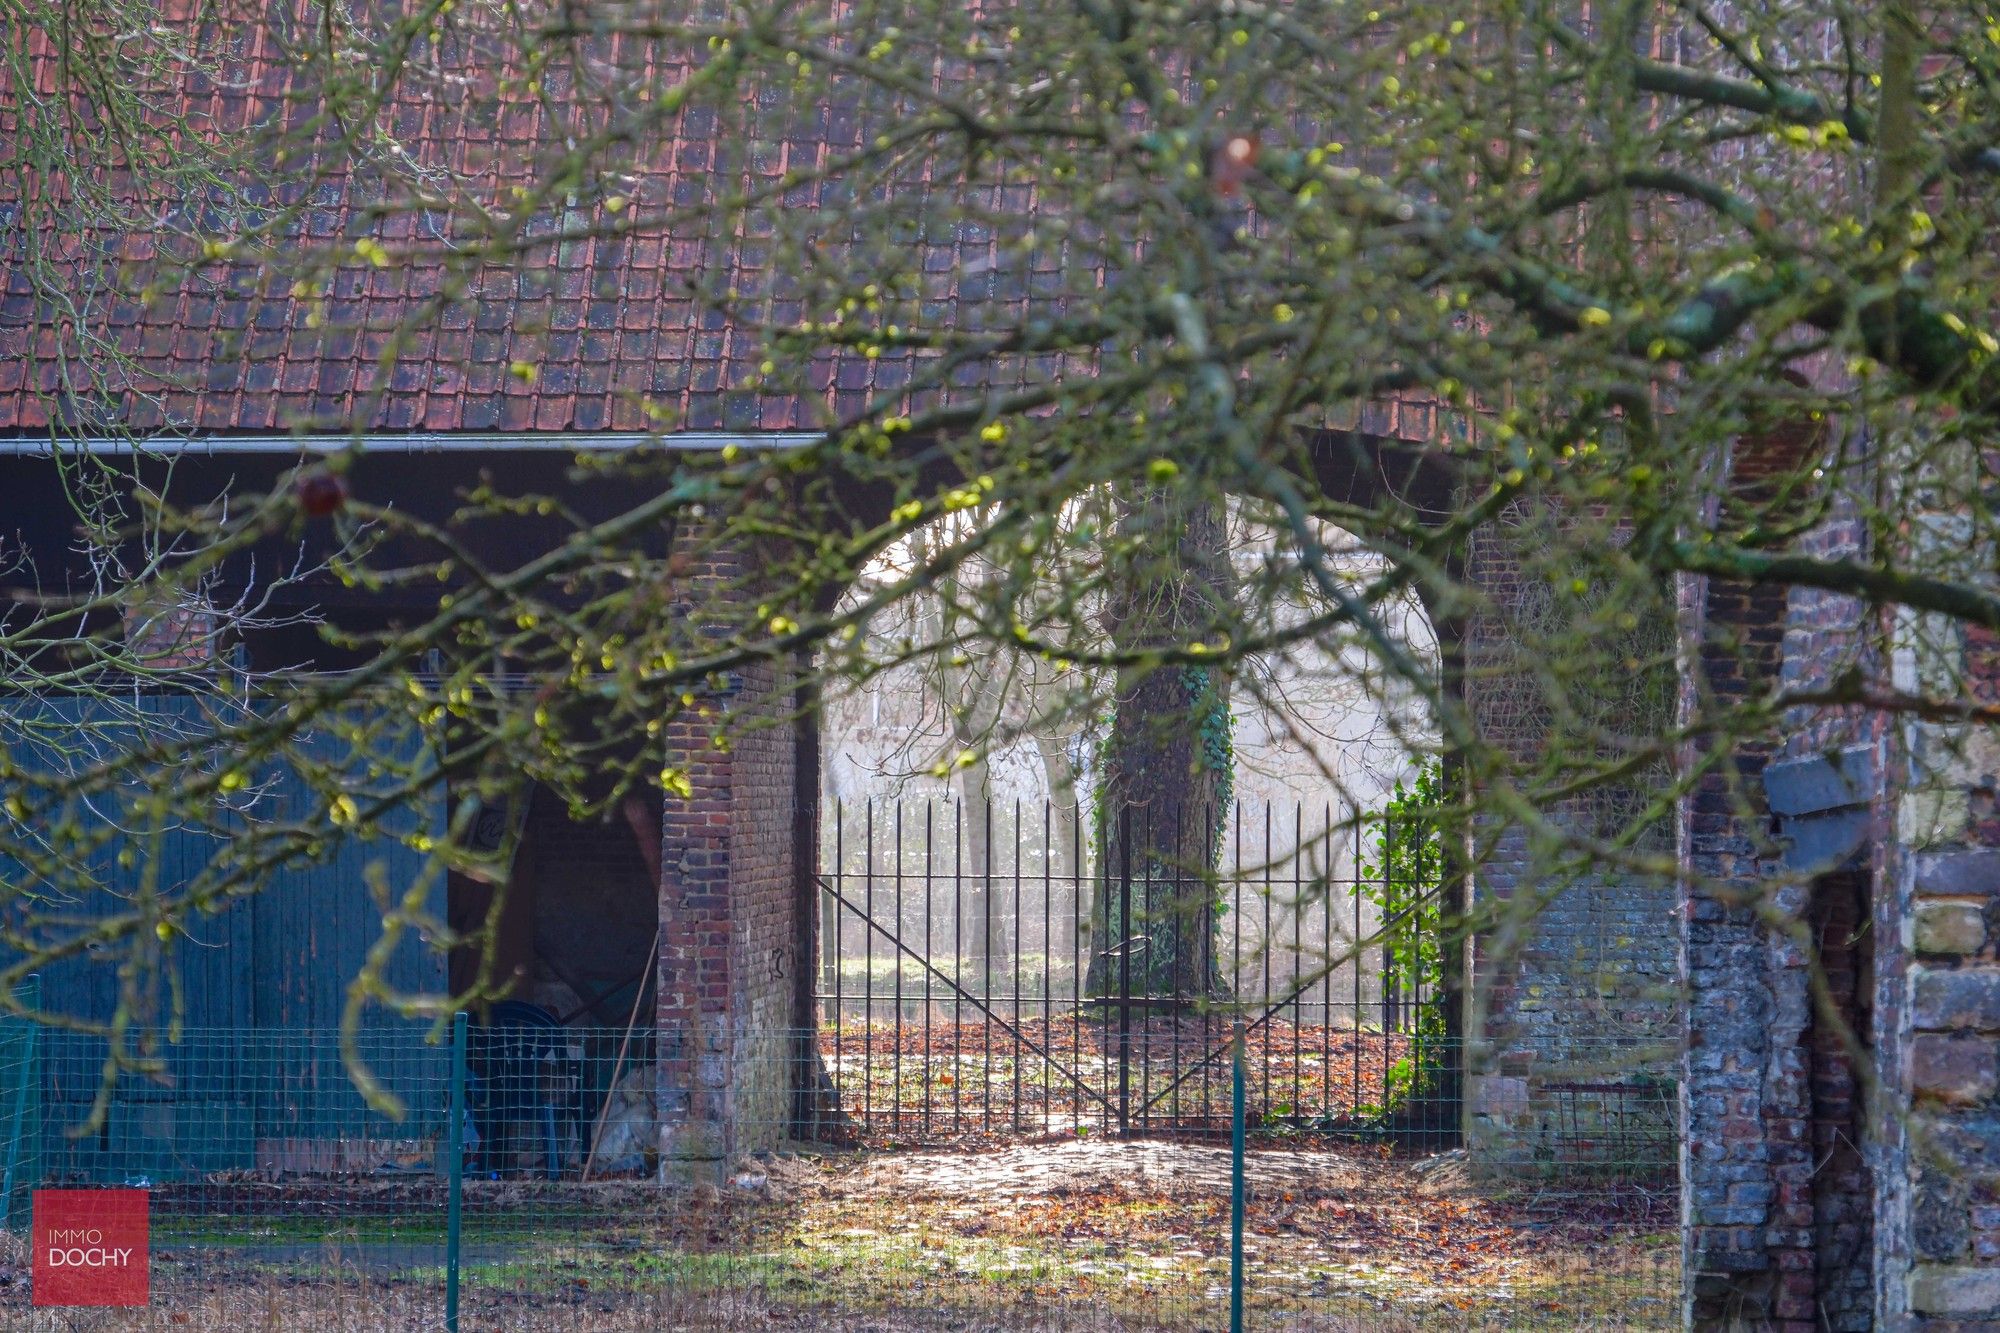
(454, 1172)
(1236, 1190)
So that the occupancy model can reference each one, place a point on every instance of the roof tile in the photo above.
(610, 323)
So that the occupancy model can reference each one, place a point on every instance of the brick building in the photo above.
(1806, 1200)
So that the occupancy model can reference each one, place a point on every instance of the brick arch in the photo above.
(1347, 467)
(738, 897)
(1509, 1102)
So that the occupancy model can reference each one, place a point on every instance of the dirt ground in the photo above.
(957, 1085)
(1059, 1236)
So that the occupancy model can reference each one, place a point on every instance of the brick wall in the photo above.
(166, 636)
(1574, 983)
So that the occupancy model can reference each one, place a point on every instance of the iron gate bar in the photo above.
(1326, 933)
(896, 1061)
(1356, 1094)
(985, 966)
(1270, 1011)
(839, 860)
(1264, 938)
(1389, 1006)
(961, 992)
(1299, 939)
(1048, 933)
(929, 906)
(1125, 973)
(1237, 909)
(1017, 952)
(1176, 923)
(1076, 937)
(959, 957)
(868, 962)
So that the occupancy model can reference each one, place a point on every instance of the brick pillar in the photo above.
(1747, 1148)
(1942, 1257)
(729, 928)
(1770, 1167)
(696, 929)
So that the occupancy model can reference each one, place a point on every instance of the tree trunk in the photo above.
(1167, 773)
(1064, 871)
(1061, 776)
(968, 694)
(974, 928)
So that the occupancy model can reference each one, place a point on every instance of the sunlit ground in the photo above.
(1083, 1235)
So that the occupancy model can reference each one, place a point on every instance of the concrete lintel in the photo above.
(1821, 783)
(1822, 842)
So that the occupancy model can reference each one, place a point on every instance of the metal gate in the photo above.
(958, 1000)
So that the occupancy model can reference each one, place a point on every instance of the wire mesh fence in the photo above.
(519, 1182)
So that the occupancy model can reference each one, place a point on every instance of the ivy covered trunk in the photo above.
(1166, 770)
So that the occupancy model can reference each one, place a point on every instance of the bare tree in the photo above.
(1052, 252)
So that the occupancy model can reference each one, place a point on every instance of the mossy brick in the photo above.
(1949, 928)
(1958, 1290)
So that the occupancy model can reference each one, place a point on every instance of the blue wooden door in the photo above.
(263, 982)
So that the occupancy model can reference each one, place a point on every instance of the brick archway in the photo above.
(739, 897)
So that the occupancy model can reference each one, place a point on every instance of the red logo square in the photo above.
(91, 1247)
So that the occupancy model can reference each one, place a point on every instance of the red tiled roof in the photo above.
(610, 322)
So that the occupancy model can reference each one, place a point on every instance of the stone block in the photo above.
(692, 1140)
(1960, 1071)
(1940, 1223)
(1956, 928)
(1969, 1143)
(1959, 873)
(1961, 1290)
(1926, 818)
(1967, 999)
(1498, 1095)
(1731, 1259)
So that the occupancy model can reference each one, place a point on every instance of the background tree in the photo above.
(1168, 763)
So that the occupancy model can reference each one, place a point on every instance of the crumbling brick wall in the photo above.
(1778, 1204)
(1745, 1160)
(1573, 990)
